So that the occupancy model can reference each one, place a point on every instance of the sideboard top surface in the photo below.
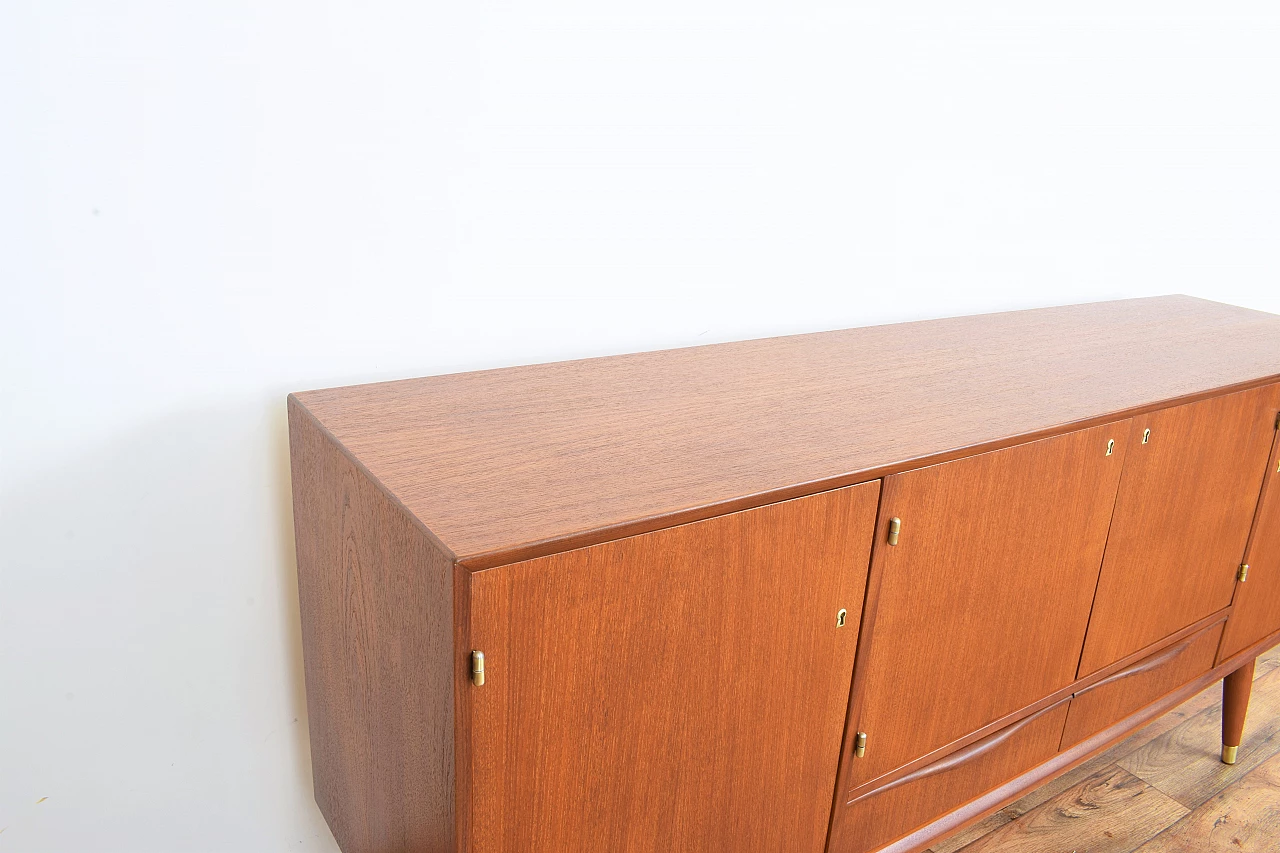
(503, 465)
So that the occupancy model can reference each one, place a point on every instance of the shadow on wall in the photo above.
(287, 564)
(150, 595)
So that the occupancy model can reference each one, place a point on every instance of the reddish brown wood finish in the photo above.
(509, 464)
(648, 692)
(377, 630)
(1003, 723)
(1181, 520)
(680, 690)
(1236, 687)
(975, 810)
(1117, 696)
(1255, 609)
(893, 811)
(982, 606)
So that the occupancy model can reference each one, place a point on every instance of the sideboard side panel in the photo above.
(377, 631)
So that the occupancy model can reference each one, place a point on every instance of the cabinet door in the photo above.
(1185, 506)
(679, 690)
(1255, 609)
(981, 607)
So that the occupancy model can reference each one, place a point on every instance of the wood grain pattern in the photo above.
(377, 633)
(1185, 762)
(1255, 609)
(1124, 692)
(1101, 814)
(1064, 762)
(510, 464)
(894, 811)
(969, 754)
(1205, 699)
(1244, 818)
(1185, 542)
(678, 674)
(1200, 703)
(986, 597)
(681, 690)
(1236, 690)
(969, 834)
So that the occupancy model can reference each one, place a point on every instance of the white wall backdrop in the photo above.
(206, 205)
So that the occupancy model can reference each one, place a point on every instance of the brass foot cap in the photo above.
(1229, 754)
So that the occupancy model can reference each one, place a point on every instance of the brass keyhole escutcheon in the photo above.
(1146, 436)
(1111, 446)
(840, 617)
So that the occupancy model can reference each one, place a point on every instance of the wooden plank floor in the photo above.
(1161, 790)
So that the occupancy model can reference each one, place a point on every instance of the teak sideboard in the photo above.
(846, 591)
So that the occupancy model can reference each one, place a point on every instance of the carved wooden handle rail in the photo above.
(1145, 665)
(960, 756)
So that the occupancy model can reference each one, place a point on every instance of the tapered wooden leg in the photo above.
(1235, 703)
